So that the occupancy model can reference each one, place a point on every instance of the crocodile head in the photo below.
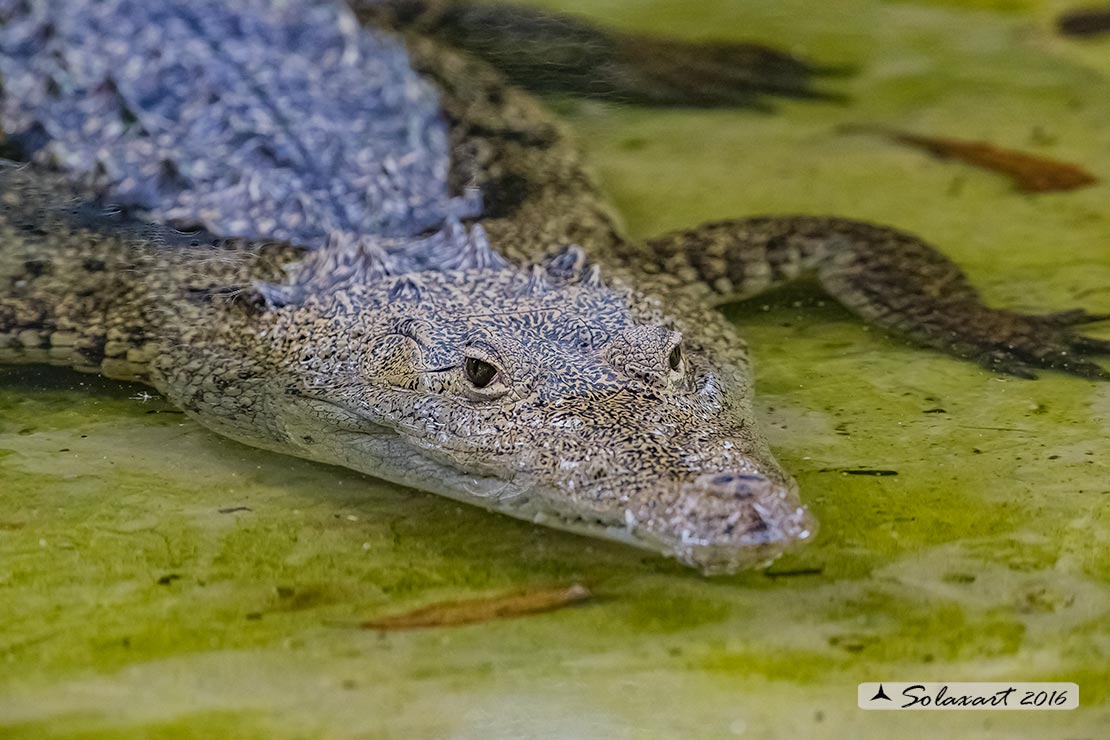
(546, 393)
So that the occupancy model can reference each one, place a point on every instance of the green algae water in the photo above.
(157, 581)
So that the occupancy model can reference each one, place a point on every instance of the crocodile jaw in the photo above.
(718, 522)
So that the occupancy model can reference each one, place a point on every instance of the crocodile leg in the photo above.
(550, 52)
(889, 278)
(89, 288)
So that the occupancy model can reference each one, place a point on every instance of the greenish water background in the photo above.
(130, 607)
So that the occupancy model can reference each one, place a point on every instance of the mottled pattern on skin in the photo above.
(90, 288)
(261, 119)
(591, 388)
(591, 421)
(887, 277)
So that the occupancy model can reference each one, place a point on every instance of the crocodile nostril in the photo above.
(725, 479)
(733, 485)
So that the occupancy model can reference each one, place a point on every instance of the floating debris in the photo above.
(1030, 173)
(473, 611)
(1084, 22)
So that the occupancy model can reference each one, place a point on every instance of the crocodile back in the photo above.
(272, 119)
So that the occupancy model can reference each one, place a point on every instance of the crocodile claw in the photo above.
(1017, 343)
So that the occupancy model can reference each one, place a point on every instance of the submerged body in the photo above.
(537, 364)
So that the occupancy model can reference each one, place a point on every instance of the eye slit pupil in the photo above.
(675, 359)
(479, 372)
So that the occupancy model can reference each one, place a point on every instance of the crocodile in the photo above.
(514, 350)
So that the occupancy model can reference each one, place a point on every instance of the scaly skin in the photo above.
(608, 410)
(601, 395)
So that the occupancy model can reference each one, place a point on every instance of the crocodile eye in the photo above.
(479, 372)
(675, 358)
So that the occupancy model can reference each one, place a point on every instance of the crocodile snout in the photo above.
(733, 486)
(723, 521)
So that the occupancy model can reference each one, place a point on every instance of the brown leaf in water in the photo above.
(471, 611)
(1030, 173)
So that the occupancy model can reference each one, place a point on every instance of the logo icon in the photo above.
(880, 694)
